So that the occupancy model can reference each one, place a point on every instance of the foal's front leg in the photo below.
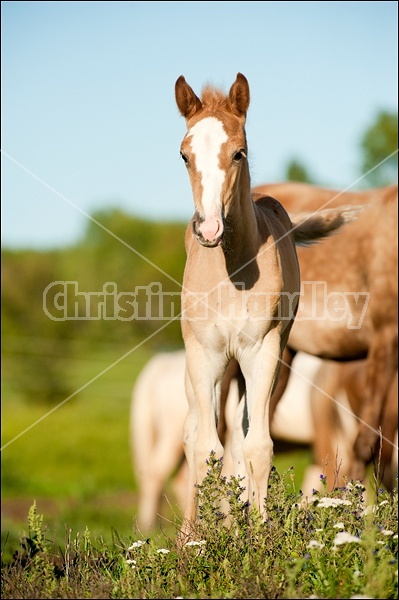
(203, 389)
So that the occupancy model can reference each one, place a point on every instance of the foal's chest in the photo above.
(226, 315)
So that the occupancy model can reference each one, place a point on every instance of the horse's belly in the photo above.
(328, 339)
(293, 421)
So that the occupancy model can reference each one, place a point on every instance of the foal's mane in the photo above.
(213, 98)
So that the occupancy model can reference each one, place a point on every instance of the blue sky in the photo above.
(89, 119)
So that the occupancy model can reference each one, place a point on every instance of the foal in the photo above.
(240, 286)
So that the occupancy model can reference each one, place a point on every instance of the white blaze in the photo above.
(207, 137)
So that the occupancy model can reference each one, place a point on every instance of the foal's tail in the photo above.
(309, 228)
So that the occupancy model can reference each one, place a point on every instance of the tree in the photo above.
(297, 172)
(379, 147)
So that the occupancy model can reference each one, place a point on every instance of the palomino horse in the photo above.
(159, 408)
(240, 285)
(349, 298)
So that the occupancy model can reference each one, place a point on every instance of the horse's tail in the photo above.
(311, 227)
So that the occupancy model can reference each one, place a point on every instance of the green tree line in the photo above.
(127, 252)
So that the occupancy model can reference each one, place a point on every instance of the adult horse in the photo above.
(240, 285)
(336, 400)
(349, 298)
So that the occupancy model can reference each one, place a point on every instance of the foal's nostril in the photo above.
(196, 226)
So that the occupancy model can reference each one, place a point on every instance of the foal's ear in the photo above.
(239, 96)
(187, 102)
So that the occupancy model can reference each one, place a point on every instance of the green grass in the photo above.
(75, 462)
(75, 465)
(77, 457)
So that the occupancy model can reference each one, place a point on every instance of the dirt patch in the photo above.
(16, 509)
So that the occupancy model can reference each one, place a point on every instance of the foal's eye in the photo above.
(184, 157)
(238, 155)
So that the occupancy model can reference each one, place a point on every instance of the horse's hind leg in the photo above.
(389, 450)
(332, 440)
(382, 364)
(285, 371)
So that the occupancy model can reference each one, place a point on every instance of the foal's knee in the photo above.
(258, 457)
(202, 455)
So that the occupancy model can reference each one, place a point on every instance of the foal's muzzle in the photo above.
(209, 232)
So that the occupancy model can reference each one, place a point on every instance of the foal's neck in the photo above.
(241, 238)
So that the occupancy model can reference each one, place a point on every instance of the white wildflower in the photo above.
(131, 562)
(136, 544)
(304, 503)
(343, 537)
(163, 551)
(339, 526)
(386, 532)
(332, 502)
(350, 485)
(315, 544)
(193, 543)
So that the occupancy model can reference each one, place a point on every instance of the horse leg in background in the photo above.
(382, 363)
(232, 372)
(158, 410)
(285, 370)
(143, 437)
(335, 426)
(161, 463)
(386, 469)
(179, 483)
(354, 381)
(230, 409)
(239, 429)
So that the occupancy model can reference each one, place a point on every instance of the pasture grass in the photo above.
(328, 546)
(75, 462)
(74, 467)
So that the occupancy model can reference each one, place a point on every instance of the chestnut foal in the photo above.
(240, 287)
